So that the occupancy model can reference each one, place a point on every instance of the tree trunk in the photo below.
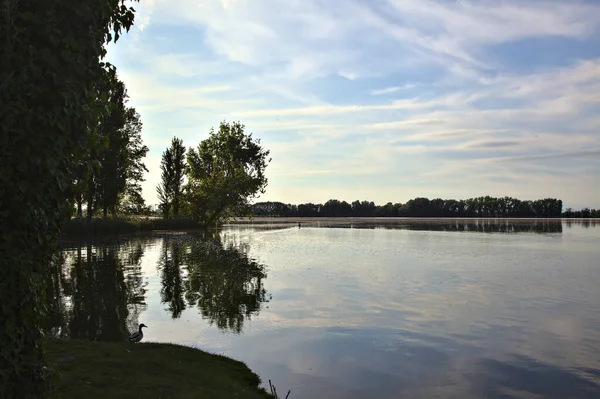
(176, 205)
(90, 198)
(80, 205)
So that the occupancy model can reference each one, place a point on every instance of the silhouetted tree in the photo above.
(419, 207)
(164, 188)
(51, 59)
(178, 151)
(224, 172)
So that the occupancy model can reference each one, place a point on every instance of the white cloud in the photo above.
(312, 33)
(262, 62)
(391, 89)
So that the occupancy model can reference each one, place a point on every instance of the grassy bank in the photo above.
(86, 369)
(77, 227)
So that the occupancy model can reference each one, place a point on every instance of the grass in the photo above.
(86, 369)
(77, 227)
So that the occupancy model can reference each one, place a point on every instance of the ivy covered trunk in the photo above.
(49, 62)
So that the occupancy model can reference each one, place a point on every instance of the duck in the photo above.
(138, 335)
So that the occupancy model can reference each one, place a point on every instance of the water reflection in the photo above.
(423, 224)
(224, 283)
(523, 376)
(172, 280)
(98, 291)
(358, 312)
(88, 298)
(586, 223)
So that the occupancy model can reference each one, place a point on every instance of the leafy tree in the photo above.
(111, 174)
(119, 167)
(583, 213)
(165, 194)
(170, 189)
(132, 203)
(134, 167)
(423, 207)
(178, 151)
(224, 172)
(51, 52)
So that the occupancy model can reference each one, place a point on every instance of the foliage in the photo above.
(110, 176)
(112, 167)
(149, 370)
(165, 194)
(172, 167)
(48, 70)
(132, 203)
(178, 151)
(224, 172)
(584, 213)
(418, 207)
(133, 167)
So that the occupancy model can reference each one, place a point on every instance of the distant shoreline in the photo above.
(391, 219)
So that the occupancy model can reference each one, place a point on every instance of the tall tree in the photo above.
(135, 153)
(224, 172)
(178, 151)
(121, 168)
(172, 168)
(51, 59)
(164, 188)
(111, 174)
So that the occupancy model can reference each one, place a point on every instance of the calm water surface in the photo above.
(351, 310)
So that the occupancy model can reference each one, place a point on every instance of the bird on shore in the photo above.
(138, 335)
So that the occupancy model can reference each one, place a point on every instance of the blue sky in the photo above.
(383, 100)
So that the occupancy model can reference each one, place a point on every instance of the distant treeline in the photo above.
(584, 213)
(424, 207)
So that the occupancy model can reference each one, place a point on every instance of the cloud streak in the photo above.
(380, 100)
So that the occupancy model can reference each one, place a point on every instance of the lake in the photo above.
(356, 309)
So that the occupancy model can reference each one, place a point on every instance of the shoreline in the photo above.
(77, 228)
(390, 219)
(93, 369)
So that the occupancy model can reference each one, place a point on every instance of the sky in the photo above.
(379, 100)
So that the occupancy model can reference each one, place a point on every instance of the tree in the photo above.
(165, 194)
(178, 151)
(111, 174)
(51, 59)
(224, 172)
(132, 203)
(170, 189)
(134, 167)
(120, 168)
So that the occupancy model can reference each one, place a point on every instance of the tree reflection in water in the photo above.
(172, 287)
(88, 296)
(98, 292)
(225, 284)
